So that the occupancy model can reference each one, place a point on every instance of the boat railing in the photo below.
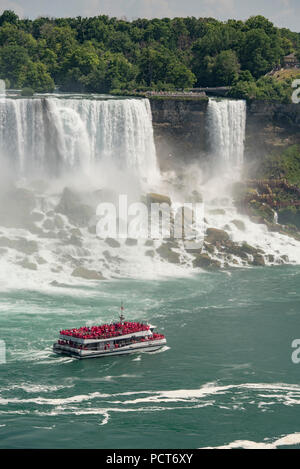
(69, 343)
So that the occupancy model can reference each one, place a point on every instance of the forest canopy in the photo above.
(103, 54)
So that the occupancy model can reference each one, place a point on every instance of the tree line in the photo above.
(103, 54)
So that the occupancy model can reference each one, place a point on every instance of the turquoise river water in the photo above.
(225, 376)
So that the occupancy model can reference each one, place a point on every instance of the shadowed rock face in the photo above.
(179, 130)
(71, 206)
(270, 127)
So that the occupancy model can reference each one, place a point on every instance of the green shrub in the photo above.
(27, 92)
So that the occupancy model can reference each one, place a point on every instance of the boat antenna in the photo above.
(121, 315)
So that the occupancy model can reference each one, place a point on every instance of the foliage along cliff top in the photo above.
(103, 54)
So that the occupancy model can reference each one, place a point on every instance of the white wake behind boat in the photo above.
(117, 338)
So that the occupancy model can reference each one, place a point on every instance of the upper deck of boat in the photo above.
(106, 331)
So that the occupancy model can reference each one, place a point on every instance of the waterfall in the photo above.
(53, 135)
(227, 123)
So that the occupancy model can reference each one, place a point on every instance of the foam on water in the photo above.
(292, 439)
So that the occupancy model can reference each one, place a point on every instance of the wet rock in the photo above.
(87, 274)
(76, 232)
(55, 283)
(271, 258)
(250, 249)
(113, 243)
(236, 250)
(150, 253)
(285, 258)
(213, 235)
(131, 242)
(149, 242)
(209, 248)
(206, 262)
(258, 260)
(113, 259)
(26, 264)
(57, 269)
(166, 252)
(240, 225)
(74, 241)
(71, 206)
(49, 224)
(40, 260)
(257, 220)
(196, 197)
(21, 244)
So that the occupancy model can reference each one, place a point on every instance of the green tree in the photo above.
(226, 68)
(13, 61)
(8, 16)
(36, 76)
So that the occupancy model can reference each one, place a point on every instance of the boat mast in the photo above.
(121, 315)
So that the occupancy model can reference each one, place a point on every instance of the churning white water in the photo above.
(227, 123)
(49, 136)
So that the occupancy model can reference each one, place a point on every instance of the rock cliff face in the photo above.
(179, 130)
(271, 127)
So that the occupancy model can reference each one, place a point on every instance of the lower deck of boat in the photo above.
(133, 348)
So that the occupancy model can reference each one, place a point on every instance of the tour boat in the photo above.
(117, 338)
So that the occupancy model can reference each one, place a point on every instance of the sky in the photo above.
(284, 13)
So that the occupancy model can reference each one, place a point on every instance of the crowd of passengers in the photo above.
(107, 346)
(106, 331)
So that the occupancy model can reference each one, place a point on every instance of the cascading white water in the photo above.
(227, 123)
(48, 136)
(2, 88)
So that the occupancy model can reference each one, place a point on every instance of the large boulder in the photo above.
(131, 242)
(204, 261)
(213, 236)
(87, 274)
(166, 252)
(259, 260)
(71, 206)
(113, 243)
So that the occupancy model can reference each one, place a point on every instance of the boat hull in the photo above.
(134, 348)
